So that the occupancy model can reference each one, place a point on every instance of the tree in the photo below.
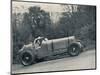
(81, 23)
(27, 26)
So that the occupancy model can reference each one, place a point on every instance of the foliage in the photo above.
(28, 26)
(81, 24)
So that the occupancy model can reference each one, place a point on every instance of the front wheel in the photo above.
(27, 57)
(74, 50)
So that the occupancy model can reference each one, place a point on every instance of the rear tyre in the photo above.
(74, 50)
(27, 57)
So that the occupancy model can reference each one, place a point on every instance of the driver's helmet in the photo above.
(40, 37)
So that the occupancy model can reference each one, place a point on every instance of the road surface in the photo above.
(86, 60)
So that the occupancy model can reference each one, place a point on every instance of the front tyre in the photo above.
(74, 50)
(27, 57)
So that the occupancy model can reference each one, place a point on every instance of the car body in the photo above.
(42, 47)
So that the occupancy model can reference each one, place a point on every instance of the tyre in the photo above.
(74, 50)
(27, 57)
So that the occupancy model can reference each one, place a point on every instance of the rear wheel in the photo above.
(27, 57)
(74, 50)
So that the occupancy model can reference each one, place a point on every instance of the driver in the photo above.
(38, 42)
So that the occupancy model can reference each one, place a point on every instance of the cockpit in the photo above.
(38, 42)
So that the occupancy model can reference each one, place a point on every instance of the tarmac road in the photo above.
(86, 60)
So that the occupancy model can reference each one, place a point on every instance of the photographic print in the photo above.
(52, 37)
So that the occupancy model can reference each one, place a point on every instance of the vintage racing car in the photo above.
(42, 48)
